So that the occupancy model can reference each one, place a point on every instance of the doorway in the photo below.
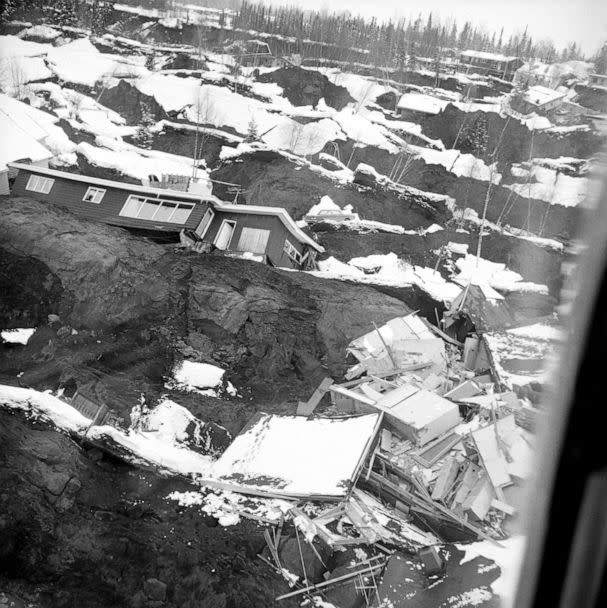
(224, 234)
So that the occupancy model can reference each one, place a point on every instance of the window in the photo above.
(169, 212)
(291, 251)
(253, 240)
(94, 195)
(205, 223)
(37, 183)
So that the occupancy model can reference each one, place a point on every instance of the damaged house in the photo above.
(265, 234)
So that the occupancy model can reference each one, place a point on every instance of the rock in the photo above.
(155, 589)
(273, 329)
(290, 558)
(68, 496)
(64, 331)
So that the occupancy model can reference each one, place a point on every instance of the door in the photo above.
(205, 223)
(224, 235)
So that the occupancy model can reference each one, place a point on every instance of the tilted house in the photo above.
(268, 234)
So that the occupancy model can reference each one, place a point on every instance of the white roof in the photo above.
(486, 55)
(17, 144)
(422, 103)
(279, 212)
(539, 95)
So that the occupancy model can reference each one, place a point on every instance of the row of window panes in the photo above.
(37, 183)
(157, 210)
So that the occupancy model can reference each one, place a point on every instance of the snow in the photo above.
(42, 32)
(362, 130)
(12, 46)
(81, 63)
(294, 456)
(539, 331)
(549, 184)
(43, 406)
(229, 507)
(388, 270)
(16, 143)
(363, 90)
(537, 123)
(15, 72)
(170, 422)
(539, 95)
(508, 555)
(325, 206)
(202, 378)
(150, 448)
(17, 336)
(419, 102)
(493, 274)
(462, 165)
(303, 140)
(137, 162)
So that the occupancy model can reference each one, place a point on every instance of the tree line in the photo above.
(389, 41)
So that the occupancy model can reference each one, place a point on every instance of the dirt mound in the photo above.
(275, 331)
(531, 214)
(131, 103)
(518, 143)
(275, 181)
(78, 531)
(306, 87)
(534, 263)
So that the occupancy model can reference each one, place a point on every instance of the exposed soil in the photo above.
(306, 87)
(276, 331)
(131, 103)
(276, 182)
(517, 144)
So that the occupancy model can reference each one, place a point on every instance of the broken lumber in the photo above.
(332, 581)
(305, 409)
(446, 476)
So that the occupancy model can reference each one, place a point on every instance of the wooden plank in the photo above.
(408, 497)
(434, 451)
(336, 388)
(446, 476)
(491, 455)
(305, 409)
(331, 581)
(502, 506)
(479, 500)
(369, 445)
(469, 479)
(386, 440)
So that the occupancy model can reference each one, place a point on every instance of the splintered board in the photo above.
(293, 457)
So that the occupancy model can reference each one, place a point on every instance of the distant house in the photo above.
(598, 81)
(419, 105)
(490, 64)
(252, 53)
(268, 234)
(539, 99)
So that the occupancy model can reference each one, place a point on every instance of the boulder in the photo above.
(155, 589)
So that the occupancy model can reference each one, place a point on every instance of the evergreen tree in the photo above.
(252, 131)
(144, 137)
(600, 61)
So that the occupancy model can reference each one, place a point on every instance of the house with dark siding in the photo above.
(267, 234)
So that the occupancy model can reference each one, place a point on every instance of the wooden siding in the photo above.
(278, 234)
(69, 194)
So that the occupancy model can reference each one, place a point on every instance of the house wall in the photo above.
(69, 194)
(278, 234)
(4, 189)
